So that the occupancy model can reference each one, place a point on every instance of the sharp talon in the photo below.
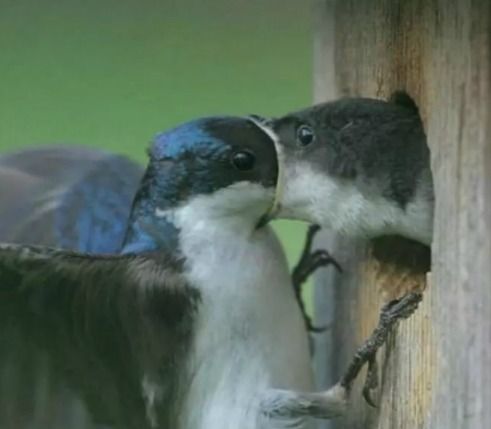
(338, 267)
(323, 258)
(371, 381)
(367, 395)
(327, 259)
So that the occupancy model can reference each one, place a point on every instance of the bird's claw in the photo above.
(371, 381)
(309, 262)
(322, 258)
(390, 314)
(400, 308)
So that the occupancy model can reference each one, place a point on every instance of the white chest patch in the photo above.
(339, 205)
(250, 338)
(250, 334)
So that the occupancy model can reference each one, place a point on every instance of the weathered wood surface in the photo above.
(437, 367)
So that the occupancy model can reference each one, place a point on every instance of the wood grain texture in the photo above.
(437, 367)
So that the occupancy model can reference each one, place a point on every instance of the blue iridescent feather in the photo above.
(70, 197)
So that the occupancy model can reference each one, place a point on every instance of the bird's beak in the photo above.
(280, 158)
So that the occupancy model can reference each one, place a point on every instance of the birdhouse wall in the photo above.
(436, 368)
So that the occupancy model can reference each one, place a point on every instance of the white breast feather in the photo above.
(339, 205)
(250, 334)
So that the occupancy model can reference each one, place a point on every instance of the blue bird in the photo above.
(78, 198)
(191, 323)
(71, 197)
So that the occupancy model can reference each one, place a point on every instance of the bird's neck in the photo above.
(147, 231)
(159, 220)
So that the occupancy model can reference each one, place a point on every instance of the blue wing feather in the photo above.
(70, 197)
(93, 216)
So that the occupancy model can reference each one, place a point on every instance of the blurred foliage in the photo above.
(112, 73)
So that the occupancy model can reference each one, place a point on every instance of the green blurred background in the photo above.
(112, 73)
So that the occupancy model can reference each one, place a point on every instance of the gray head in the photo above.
(220, 169)
(359, 166)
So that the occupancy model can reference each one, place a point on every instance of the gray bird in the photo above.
(194, 330)
(358, 166)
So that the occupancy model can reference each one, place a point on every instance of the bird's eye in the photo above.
(305, 135)
(243, 160)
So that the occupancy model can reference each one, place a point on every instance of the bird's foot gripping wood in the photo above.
(294, 406)
(390, 314)
(310, 261)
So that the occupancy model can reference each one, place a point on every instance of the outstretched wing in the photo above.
(105, 328)
(71, 197)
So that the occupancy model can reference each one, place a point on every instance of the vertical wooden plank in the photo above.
(437, 366)
(459, 130)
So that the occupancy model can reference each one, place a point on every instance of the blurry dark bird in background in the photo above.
(70, 197)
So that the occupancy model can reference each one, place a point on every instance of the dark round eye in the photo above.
(243, 160)
(305, 135)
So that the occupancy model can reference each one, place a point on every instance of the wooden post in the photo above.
(436, 369)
